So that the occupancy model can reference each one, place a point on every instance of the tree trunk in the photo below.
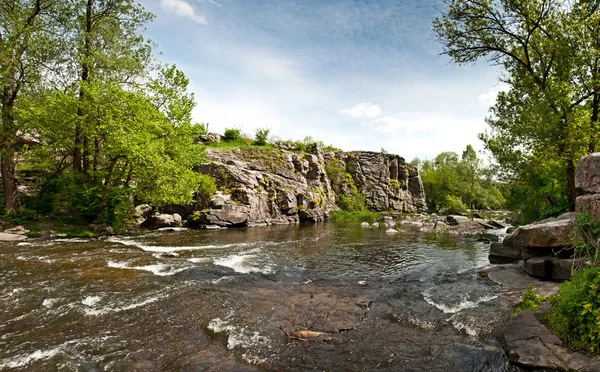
(81, 162)
(12, 202)
(594, 122)
(572, 189)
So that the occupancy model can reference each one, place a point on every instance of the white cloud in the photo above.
(183, 9)
(388, 124)
(362, 110)
(489, 98)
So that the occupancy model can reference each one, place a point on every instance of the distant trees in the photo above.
(455, 184)
(550, 54)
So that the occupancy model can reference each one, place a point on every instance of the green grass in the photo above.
(362, 216)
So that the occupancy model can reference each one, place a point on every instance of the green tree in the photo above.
(25, 38)
(547, 51)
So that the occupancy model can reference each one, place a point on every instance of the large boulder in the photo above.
(158, 220)
(587, 175)
(550, 233)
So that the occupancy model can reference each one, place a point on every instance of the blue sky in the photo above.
(360, 75)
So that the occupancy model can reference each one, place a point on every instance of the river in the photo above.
(327, 297)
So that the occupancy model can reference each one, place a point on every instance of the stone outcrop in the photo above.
(540, 244)
(386, 180)
(587, 179)
(259, 186)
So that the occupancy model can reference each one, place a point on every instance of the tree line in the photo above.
(87, 109)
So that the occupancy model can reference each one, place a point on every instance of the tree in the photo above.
(550, 65)
(24, 25)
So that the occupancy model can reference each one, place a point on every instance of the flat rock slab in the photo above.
(515, 281)
(531, 344)
(6, 237)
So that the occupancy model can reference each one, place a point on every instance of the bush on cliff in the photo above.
(575, 314)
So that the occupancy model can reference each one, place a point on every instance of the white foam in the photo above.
(24, 243)
(49, 302)
(91, 300)
(241, 337)
(240, 263)
(201, 260)
(465, 304)
(23, 360)
(169, 249)
(156, 269)
(45, 259)
(109, 309)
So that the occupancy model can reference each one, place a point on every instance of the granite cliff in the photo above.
(260, 186)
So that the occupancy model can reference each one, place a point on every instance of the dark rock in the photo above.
(476, 215)
(172, 229)
(538, 267)
(549, 233)
(562, 268)
(496, 224)
(210, 137)
(485, 224)
(500, 250)
(587, 175)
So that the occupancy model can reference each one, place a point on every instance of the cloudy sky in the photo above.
(360, 75)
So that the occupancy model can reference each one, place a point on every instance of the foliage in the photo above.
(457, 184)
(575, 314)
(356, 216)
(455, 205)
(261, 137)
(232, 134)
(355, 202)
(548, 116)
(529, 300)
(587, 238)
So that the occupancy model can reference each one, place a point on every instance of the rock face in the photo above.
(263, 187)
(386, 180)
(549, 233)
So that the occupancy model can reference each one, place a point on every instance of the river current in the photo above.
(327, 297)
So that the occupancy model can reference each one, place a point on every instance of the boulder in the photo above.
(158, 220)
(19, 230)
(590, 204)
(143, 210)
(484, 223)
(365, 224)
(497, 224)
(538, 267)
(102, 229)
(224, 218)
(375, 224)
(562, 268)
(587, 175)
(549, 233)
(500, 250)
(209, 137)
(391, 231)
(6, 237)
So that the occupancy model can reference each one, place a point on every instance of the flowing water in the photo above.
(315, 297)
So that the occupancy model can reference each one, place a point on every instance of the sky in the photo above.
(359, 75)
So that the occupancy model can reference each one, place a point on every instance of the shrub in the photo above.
(455, 205)
(587, 235)
(362, 216)
(261, 137)
(232, 134)
(352, 203)
(529, 301)
(575, 314)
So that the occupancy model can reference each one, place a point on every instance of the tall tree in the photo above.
(24, 35)
(536, 43)
(109, 48)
